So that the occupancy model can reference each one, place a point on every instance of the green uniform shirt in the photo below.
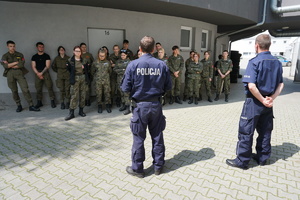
(60, 67)
(176, 63)
(224, 65)
(15, 57)
(89, 57)
(194, 70)
(101, 70)
(78, 68)
(114, 58)
(207, 68)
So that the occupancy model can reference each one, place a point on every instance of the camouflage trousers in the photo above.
(193, 85)
(225, 82)
(103, 88)
(78, 92)
(63, 85)
(14, 77)
(39, 83)
(176, 85)
(205, 81)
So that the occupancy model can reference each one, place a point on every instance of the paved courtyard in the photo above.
(44, 157)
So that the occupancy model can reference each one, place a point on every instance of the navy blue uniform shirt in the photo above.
(265, 71)
(146, 78)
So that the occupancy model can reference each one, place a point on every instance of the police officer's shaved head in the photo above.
(263, 41)
(147, 44)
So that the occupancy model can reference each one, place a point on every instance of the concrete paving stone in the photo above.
(24, 188)
(187, 193)
(287, 182)
(34, 194)
(236, 180)
(7, 190)
(293, 190)
(242, 195)
(87, 196)
(132, 188)
(266, 188)
(118, 192)
(170, 187)
(216, 194)
(288, 195)
(230, 193)
(142, 193)
(75, 192)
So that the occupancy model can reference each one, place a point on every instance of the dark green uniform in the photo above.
(101, 71)
(186, 79)
(15, 76)
(194, 71)
(175, 64)
(206, 77)
(63, 77)
(89, 59)
(113, 78)
(224, 66)
(120, 68)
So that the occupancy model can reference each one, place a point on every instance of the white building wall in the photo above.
(66, 25)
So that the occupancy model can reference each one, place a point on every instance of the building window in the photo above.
(186, 38)
(204, 40)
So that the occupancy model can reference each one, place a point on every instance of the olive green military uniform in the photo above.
(63, 77)
(101, 71)
(120, 68)
(224, 66)
(194, 71)
(175, 64)
(15, 76)
(89, 59)
(206, 76)
(186, 80)
(113, 78)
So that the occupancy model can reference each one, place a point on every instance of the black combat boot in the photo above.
(33, 108)
(127, 110)
(123, 107)
(67, 105)
(196, 100)
(190, 100)
(209, 99)
(71, 115)
(62, 106)
(177, 100)
(217, 97)
(108, 106)
(226, 97)
(39, 104)
(53, 104)
(81, 113)
(19, 108)
(171, 100)
(99, 108)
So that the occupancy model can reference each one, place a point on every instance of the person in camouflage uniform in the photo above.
(224, 68)
(113, 76)
(206, 76)
(79, 79)
(120, 68)
(14, 70)
(176, 64)
(187, 62)
(89, 59)
(63, 77)
(101, 70)
(194, 70)
(161, 55)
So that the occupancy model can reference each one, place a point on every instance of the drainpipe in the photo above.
(258, 24)
(280, 10)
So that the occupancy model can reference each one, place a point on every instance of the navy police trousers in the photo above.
(147, 114)
(254, 116)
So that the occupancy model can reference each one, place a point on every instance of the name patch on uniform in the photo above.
(147, 71)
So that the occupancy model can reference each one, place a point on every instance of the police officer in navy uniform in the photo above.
(147, 79)
(263, 83)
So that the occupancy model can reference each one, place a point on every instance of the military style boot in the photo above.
(123, 107)
(39, 104)
(127, 110)
(53, 104)
(209, 99)
(67, 105)
(99, 108)
(226, 97)
(71, 115)
(81, 113)
(190, 100)
(217, 97)
(62, 106)
(171, 100)
(196, 100)
(88, 102)
(33, 108)
(177, 100)
(108, 108)
(19, 108)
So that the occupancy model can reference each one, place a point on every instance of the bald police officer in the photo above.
(14, 70)
(263, 83)
(147, 79)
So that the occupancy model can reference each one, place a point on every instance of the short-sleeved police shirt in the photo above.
(146, 78)
(265, 71)
(40, 61)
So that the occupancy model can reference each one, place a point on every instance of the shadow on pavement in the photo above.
(283, 152)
